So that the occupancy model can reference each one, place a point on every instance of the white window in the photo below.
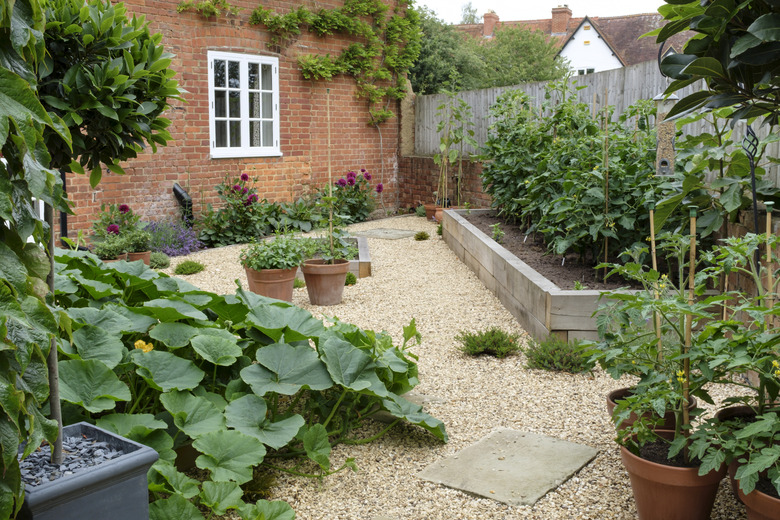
(243, 105)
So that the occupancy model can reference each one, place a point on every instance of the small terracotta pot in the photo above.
(438, 214)
(668, 492)
(325, 282)
(273, 283)
(430, 210)
(622, 393)
(142, 255)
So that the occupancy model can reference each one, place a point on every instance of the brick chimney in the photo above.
(490, 20)
(560, 19)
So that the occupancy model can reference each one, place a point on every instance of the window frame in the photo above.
(244, 150)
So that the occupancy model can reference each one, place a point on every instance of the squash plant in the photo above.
(156, 360)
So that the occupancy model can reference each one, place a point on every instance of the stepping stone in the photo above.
(385, 233)
(512, 467)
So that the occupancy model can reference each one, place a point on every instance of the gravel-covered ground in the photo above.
(473, 396)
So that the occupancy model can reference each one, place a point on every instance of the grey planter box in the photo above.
(538, 304)
(114, 490)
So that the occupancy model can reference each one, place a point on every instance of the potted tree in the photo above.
(271, 265)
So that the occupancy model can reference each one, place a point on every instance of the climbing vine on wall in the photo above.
(208, 8)
(388, 43)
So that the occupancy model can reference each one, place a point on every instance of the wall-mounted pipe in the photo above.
(185, 201)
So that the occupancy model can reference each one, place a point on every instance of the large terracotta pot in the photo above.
(760, 506)
(273, 283)
(325, 282)
(123, 256)
(438, 214)
(143, 256)
(670, 493)
(622, 393)
(735, 412)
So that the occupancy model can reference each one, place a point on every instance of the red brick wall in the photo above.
(147, 187)
(419, 177)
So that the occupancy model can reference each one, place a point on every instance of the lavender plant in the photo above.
(173, 238)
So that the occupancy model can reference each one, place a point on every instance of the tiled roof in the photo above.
(622, 33)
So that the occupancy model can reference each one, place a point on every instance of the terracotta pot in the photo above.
(123, 256)
(142, 255)
(760, 506)
(438, 214)
(622, 393)
(670, 493)
(273, 283)
(734, 412)
(325, 282)
(430, 210)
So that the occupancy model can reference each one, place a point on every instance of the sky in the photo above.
(509, 10)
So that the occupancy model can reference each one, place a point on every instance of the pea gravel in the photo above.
(473, 396)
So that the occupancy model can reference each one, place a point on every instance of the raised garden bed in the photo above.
(541, 307)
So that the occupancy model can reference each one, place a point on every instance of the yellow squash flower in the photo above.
(144, 346)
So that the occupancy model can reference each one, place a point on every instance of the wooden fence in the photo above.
(619, 87)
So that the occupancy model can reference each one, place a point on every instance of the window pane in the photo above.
(235, 103)
(268, 133)
(254, 76)
(268, 105)
(219, 73)
(221, 130)
(234, 74)
(254, 104)
(267, 83)
(235, 133)
(254, 133)
(219, 103)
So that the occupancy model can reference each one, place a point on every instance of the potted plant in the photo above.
(138, 241)
(667, 334)
(111, 248)
(271, 265)
(325, 269)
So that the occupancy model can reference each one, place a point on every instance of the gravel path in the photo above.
(473, 396)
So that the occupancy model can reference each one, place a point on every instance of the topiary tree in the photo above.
(736, 51)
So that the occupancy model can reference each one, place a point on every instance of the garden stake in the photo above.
(688, 324)
(656, 316)
(330, 179)
(770, 282)
(750, 145)
(606, 176)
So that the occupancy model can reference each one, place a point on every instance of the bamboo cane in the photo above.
(770, 299)
(656, 316)
(688, 326)
(330, 175)
(606, 175)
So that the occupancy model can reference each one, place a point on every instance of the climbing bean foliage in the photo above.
(548, 171)
(246, 380)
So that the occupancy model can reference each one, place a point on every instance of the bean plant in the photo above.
(246, 380)
(548, 170)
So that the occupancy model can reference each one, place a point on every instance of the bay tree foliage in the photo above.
(736, 51)
(450, 60)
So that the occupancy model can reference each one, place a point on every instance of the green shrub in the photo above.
(420, 211)
(439, 229)
(298, 283)
(557, 355)
(351, 279)
(159, 260)
(422, 235)
(493, 341)
(284, 251)
(189, 267)
(355, 198)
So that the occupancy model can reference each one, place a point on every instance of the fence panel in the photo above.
(619, 88)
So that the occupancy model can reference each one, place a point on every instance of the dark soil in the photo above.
(765, 486)
(658, 452)
(532, 251)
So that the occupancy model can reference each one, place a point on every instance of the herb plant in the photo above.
(421, 235)
(351, 279)
(188, 267)
(420, 211)
(283, 251)
(110, 247)
(497, 232)
(494, 341)
(159, 260)
(557, 355)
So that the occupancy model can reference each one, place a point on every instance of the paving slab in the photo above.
(512, 467)
(385, 233)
